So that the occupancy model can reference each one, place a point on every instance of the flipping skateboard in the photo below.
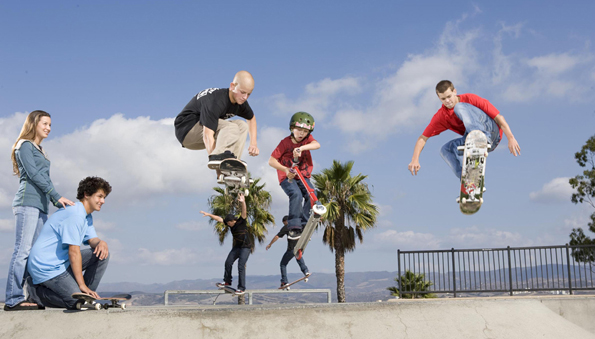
(235, 176)
(286, 286)
(86, 301)
(316, 212)
(475, 152)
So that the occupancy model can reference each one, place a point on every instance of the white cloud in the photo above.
(407, 240)
(176, 257)
(473, 237)
(7, 225)
(193, 226)
(557, 190)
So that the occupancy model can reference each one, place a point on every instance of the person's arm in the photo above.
(274, 163)
(76, 264)
(242, 200)
(513, 145)
(99, 247)
(252, 128)
(212, 216)
(272, 242)
(208, 137)
(419, 146)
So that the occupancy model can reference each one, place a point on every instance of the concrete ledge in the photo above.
(560, 317)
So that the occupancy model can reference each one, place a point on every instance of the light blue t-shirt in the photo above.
(49, 255)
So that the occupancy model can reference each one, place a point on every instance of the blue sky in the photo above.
(115, 74)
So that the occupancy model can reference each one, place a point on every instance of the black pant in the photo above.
(235, 254)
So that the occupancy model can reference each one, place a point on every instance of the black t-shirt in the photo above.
(290, 243)
(207, 107)
(241, 237)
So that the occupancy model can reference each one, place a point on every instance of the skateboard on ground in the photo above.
(316, 212)
(87, 301)
(286, 286)
(235, 176)
(475, 152)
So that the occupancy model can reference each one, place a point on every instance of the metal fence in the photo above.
(510, 269)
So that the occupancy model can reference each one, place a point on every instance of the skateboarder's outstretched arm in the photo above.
(513, 145)
(272, 242)
(212, 216)
(242, 200)
(419, 146)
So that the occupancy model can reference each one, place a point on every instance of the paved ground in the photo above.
(523, 317)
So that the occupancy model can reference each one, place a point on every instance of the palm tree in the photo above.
(411, 282)
(258, 203)
(350, 212)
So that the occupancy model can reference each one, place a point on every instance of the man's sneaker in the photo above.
(282, 285)
(215, 159)
(307, 274)
(239, 292)
(223, 284)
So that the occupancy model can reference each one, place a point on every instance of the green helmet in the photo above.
(303, 120)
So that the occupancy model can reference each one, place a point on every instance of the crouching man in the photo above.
(56, 262)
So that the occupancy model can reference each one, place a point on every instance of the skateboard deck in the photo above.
(227, 289)
(235, 176)
(87, 301)
(315, 213)
(286, 286)
(475, 152)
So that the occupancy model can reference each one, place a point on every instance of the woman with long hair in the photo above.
(30, 205)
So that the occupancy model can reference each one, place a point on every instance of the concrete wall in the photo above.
(554, 317)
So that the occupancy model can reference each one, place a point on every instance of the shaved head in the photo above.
(241, 87)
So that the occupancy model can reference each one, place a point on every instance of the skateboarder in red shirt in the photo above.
(462, 114)
(297, 145)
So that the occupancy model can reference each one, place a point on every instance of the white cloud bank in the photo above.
(557, 190)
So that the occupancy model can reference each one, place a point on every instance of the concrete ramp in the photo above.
(554, 317)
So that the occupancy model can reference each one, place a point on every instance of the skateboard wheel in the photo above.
(306, 280)
(123, 306)
(221, 176)
(458, 199)
(243, 180)
(226, 191)
(97, 306)
(481, 200)
(464, 200)
(287, 288)
(78, 305)
(246, 192)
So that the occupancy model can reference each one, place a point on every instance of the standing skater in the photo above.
(296, 146)
(242, 245)
(288, 254)
(30, 205)
(203, 123)
(462, 114)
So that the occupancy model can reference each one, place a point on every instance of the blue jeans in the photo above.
(29, 221)
(474, 119)
(299, 202)
(236, 253)
(57, 292)
(285, 260)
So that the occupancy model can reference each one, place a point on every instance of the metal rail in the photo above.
(250, 293)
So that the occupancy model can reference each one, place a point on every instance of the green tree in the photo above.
(411, 282)
(585, 193)
(350, 212)
(258, 203)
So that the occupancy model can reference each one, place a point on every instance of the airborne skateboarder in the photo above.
(462, 114)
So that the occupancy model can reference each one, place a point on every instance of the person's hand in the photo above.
(88, 291)
(414, 167)
(297, 152)
(513, 147)
(65, 202)
(253, 150)
(241, 198)
(101, 251)
(204, 214)
(289, 173)
(268, 246)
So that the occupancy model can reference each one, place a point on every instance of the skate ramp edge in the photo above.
(525, 317)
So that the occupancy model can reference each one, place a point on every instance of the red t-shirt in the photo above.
(284, 154)
(447, 119)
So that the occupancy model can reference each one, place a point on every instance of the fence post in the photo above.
(568, 264)
(166, 298)
(399, 272)
(454, 274)
(509, 270)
